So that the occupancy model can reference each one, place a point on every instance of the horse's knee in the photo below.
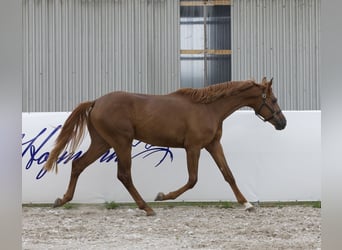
(124, 177)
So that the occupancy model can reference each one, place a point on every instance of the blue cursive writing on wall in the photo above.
(34, 153)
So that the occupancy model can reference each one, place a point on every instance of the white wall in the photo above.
(268, 165)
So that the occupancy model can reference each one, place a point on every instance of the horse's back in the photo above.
(139, 104)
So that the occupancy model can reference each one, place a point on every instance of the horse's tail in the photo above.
(72, 132)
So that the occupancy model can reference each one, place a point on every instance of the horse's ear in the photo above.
(264, 80)
(270, 82)
(268, 86)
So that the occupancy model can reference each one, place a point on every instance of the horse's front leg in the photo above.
(123, 152)
(216, 151)
(192, 155)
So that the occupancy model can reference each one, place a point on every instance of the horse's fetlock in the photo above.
(67, 198)
(141, 205)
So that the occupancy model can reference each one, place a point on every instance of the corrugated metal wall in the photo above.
(280, 39)
(77, 50)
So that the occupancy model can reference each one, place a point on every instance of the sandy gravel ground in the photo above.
(179, 227)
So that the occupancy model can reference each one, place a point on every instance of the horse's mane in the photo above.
(213, 92)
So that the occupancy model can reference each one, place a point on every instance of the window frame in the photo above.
(206, 52)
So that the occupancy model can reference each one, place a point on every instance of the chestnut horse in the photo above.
(188, 118)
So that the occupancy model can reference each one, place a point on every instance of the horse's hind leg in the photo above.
(216, 151)
(97, 148)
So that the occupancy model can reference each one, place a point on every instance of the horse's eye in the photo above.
(274, 100)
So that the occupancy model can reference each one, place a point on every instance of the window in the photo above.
(205, 28)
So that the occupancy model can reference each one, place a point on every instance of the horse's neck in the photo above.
(225, 106)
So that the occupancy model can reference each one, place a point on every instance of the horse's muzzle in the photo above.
(281, 124)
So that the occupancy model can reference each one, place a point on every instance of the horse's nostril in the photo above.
(281, 124)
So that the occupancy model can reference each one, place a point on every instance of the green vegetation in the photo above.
(227, 204)
(111, 205)
(316, 204)
(68, 206)
(219, 204)
(281, 204)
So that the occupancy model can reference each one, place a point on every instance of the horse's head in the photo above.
(266, 106)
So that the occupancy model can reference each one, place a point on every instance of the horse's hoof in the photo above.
(160, 197)
(58, 203)
(150, 213)
(249, 207)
